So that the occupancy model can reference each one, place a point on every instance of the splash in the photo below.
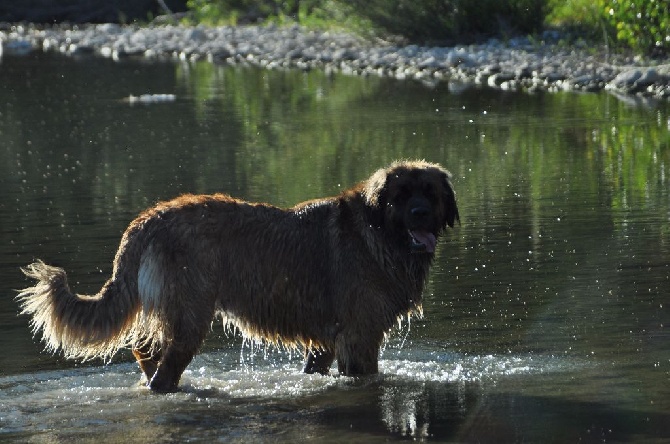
(454, 368)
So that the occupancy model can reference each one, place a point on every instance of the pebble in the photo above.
(517, 64)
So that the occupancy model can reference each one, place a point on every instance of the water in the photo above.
(547, 310)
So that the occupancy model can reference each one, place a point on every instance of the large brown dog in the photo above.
(331, 275)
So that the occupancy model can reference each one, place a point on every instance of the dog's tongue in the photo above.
(426, 238)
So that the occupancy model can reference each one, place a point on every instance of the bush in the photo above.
(417, 20)
(585, 15)
(644, 25)
(246, 11)
(453, 19)
(502, 17)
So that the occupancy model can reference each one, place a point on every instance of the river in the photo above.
(546, 313)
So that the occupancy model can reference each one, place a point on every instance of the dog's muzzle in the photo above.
(422, 241)
(419, 219)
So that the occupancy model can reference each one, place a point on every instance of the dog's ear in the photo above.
(375, 192)
(449, 201)
(374, 189)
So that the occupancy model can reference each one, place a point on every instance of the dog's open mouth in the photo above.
(422, 241)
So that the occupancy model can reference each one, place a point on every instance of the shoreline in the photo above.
(519, 64)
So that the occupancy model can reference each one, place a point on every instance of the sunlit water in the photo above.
(110, 399)
(545, 315)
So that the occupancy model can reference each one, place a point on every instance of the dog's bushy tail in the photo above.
(83, 327)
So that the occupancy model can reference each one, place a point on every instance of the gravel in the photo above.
(517, 64)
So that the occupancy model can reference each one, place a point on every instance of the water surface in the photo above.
(545, 316)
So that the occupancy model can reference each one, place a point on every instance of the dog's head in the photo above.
(415, 202)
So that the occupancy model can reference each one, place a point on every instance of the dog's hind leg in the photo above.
(148, 356)
(172, 365)
(318, 360)
(185, 334)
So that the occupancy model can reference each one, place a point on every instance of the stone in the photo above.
(626, 78)
(500, 78)
(517, 64)
(648, 77)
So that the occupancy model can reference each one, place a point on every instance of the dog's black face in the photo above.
(421, 222)
(418, 204)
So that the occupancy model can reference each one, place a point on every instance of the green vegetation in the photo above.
(585, 16)
(415, 20)
(453, 19)
(643, 25)
(311, 13)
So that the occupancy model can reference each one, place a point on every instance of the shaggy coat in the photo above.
(331, 275)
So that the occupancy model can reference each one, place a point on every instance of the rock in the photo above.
(489, 70)
(585, 81)
(430, 62)
(457, 58)
(74, 48)
(499, 78)
(516, 64)
(344, 54)
(150, 98)
(626, 79)
(523, 72)
(18, 47)
(409, 51)
(106, 51)
(108, 28)
(554, 76)
(648, 77)
(195, 34)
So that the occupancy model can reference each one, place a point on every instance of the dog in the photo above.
(331, 276)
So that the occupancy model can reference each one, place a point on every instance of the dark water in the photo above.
(547, 311)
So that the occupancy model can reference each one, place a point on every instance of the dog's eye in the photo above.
(404, 192)
(429, 192)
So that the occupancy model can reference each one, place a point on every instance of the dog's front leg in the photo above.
(318, 360)
(357, 355)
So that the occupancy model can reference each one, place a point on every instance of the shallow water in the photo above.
(421, 395)
(545, 315)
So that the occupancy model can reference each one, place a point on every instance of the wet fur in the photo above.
(331, 275)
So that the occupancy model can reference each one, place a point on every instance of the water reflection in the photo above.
(546, 312)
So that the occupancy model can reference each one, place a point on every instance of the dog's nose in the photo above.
(419, 212)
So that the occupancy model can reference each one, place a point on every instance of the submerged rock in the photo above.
(150, 98)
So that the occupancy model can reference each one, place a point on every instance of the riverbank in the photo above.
(517, 64)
